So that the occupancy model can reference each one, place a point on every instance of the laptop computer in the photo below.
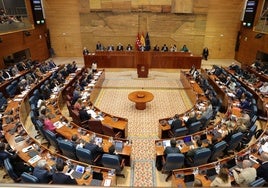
(188, 140)
(78, 172)
(166, 143)
(97, 179)
(118, 146)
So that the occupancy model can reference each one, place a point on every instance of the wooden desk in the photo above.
(194, 93)
(126, 59)
(140, 98)
(20, 107)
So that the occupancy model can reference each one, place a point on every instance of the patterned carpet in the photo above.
(169, 99)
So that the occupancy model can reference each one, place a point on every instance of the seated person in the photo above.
(244, 104)
(41, 172)
(264, 88)
(176, 123)
(94, 148)
(129, 47)
(172, 148)
(156, 48)
(113, 152)
(119, 47)
(83, 115)
(243, 177)
(59, 177)
(184, 48)
(78, 104)
(110, 48)
(192, 118)
(164, 48)
(262, 170)
(190, 154)
(222, 179)
(173, 48)
(48, 124)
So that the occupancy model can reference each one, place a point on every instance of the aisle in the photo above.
(143, 124)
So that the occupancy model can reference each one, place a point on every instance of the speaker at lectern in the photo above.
(142, 71)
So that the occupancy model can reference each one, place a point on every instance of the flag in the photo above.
(138, 43)
(142, 39)
(147, 43)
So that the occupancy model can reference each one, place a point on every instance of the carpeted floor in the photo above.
(169, 99)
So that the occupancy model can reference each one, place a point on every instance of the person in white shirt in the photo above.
(94, 67)
(264, 88)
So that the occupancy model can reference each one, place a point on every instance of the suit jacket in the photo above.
(245, 177)
(84, 115)
(190, 121)
(170, 149)
(42, 174)
(61, 178)
(262, 171)
(176, 124)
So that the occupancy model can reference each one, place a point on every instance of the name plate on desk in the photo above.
(34, 159)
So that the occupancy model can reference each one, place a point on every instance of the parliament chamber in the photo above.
(126, 93)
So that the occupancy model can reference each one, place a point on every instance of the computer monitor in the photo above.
(118, 146)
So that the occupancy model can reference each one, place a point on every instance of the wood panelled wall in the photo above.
(14, 42)
(249, 45)
(197, 23)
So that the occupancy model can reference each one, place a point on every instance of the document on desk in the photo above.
(58, 124)
(34, 159)
(107, 182)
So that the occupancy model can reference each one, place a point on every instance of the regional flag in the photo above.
(142, 40)
(147, 43)
(138, 43)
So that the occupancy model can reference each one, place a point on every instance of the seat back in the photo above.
(67, 148)
(173, 161)
(10, 171)
(234, 141)
(9, 90)
(181, 132)
(95, 126)
(257, 183)
(108, 130)
(84, 155)
(217, 150)
(51, 137)
(201, 156)
(39, 126)
(111, 161)
(194, 127)
(28, 178)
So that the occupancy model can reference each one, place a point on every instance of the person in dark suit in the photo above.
(192, 118)
(191, 153)
(164, 48)
(41, 172)
(99, 46)
(262, 170)
(113, 152)
(119, 47)
(85, 51)
(172, 148)
(129, 47)
(176, 124)
(83, 115)
(61, 178)
(94, 148)
(205, 53)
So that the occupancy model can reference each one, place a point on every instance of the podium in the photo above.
(142, 71)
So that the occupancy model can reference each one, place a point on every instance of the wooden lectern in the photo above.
(142, 71)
